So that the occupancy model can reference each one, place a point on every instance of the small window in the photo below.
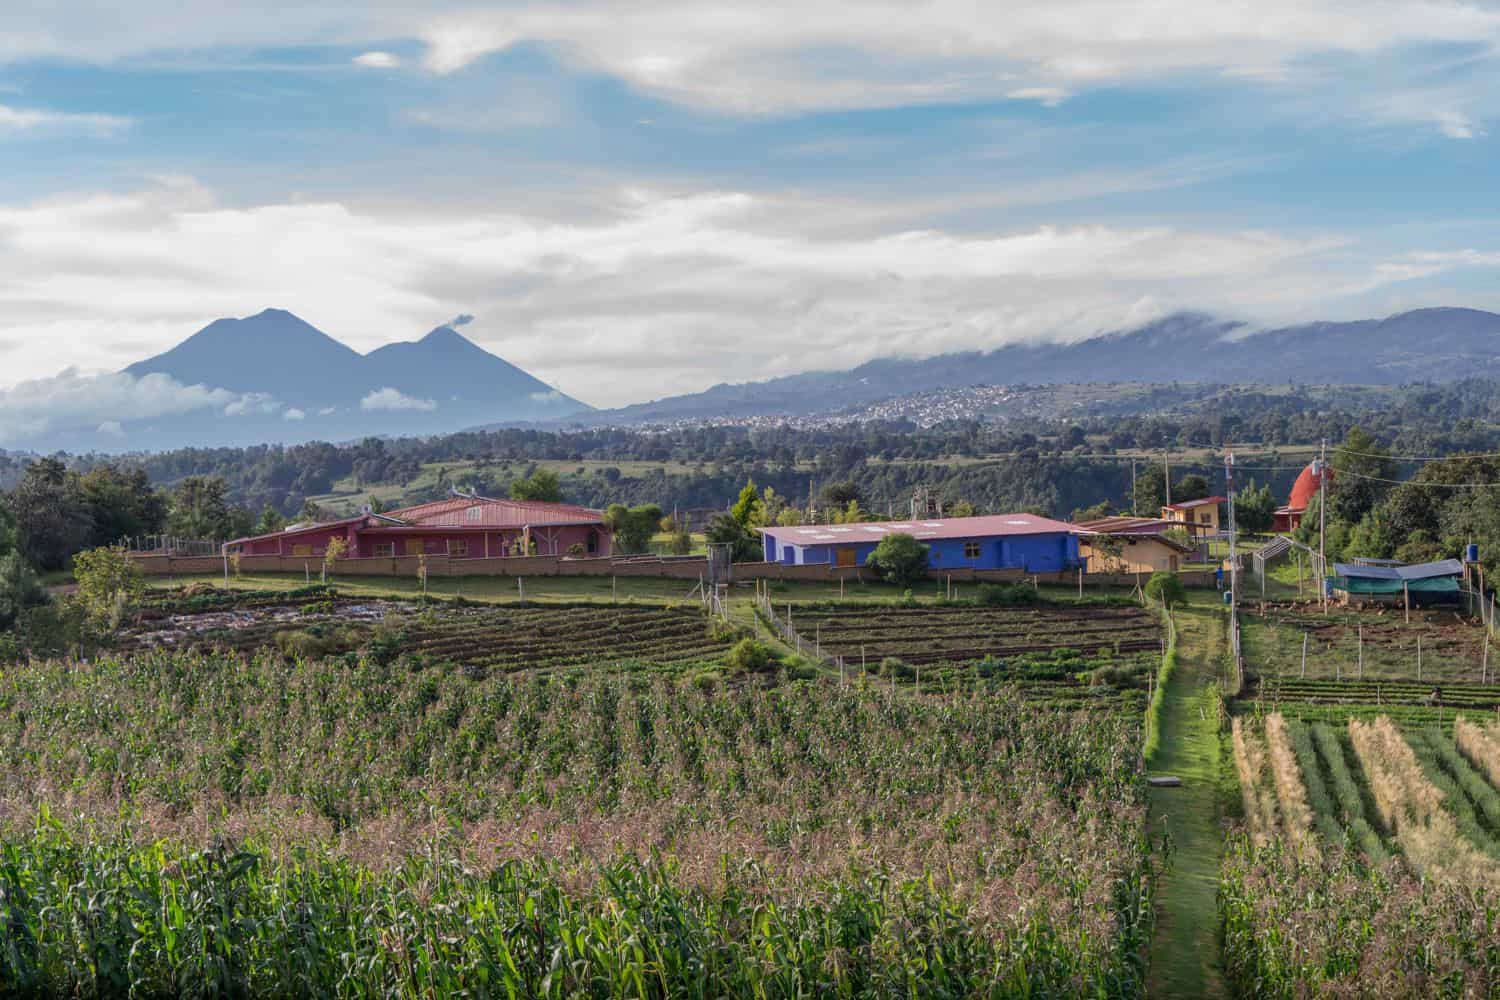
(475, 513)
(458, 547)
(592, 545)
(971, 550)
(302, 550)
(414, 546)
(384, 550)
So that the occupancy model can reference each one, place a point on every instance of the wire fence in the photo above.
(171, 545)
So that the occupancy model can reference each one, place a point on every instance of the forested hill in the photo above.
(1054, 465)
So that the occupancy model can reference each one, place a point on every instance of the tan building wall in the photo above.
(1136, 555)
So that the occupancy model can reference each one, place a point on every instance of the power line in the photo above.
(1416, 482)
(1418, 458)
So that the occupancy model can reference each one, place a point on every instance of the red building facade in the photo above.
(464, 526)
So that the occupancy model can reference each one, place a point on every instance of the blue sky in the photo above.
(648, 199)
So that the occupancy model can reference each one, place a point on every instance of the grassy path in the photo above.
(1184, 955)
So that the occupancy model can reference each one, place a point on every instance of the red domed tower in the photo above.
(1303, 490)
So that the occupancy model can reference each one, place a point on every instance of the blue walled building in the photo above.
(1002, 541)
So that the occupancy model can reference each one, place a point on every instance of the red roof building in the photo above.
(463, 526)
(1289, 518)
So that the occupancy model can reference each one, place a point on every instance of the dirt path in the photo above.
(1184, 954)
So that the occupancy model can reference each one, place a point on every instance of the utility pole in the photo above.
(1133, 509)
(1166, 475)
(1323, 523)
(1234, 563)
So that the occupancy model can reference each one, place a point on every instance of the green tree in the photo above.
(120, 503)
(1254, 509)
(1371, 538)
(1098, 511)
(749, 510)
(51, 522)
(199, 509)
(270, 521)
(838, 494)
(109, 582)
(542, 486)
(745, 545)
(961, 508)
(632, 526)
(1166, 587)
(1150, 491)
(8, 533)
(1190, 487)
(1359, 463)
(19, 588)
(900, 558)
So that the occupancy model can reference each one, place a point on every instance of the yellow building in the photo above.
(1199, 517)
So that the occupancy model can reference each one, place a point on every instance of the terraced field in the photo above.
(478, 638)
(1063, 655)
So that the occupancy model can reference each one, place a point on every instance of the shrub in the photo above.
(900, 558)
(894, 666)
(1166, 587)
(749, 656)
(998, 595)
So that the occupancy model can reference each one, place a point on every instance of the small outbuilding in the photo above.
(1131, 545)
(1434, 583)
(1002, 541)
(1198, 517)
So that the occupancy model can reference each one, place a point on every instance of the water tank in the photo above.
(1471, 553)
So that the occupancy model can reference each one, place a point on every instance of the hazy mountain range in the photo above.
(273, 377)
(1425, 345)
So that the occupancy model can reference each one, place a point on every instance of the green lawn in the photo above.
(1184, 954)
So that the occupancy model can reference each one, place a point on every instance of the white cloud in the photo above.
(772, 56)
(253, 404)
(15, 120)
(1456, 125)
(105, 402)
(378, 60)
(648, 295)
(546, 397)
(393, 399)
(783, 56)
(112, 428)
(328, 411)
(294, 414)
(1049, 96)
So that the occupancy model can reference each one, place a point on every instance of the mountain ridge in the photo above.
(1443, 343)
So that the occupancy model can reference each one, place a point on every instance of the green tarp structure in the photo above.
(1364, 585)
(1440, 577)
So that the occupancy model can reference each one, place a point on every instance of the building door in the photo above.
(414, 546)
(844, 557)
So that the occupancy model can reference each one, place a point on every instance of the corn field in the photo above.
(1368, 863)
(265, 825)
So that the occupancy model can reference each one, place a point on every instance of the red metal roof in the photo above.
(489, 512)
(1189, 504)
(993, 525)
(453, 513)
(1127, 525)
